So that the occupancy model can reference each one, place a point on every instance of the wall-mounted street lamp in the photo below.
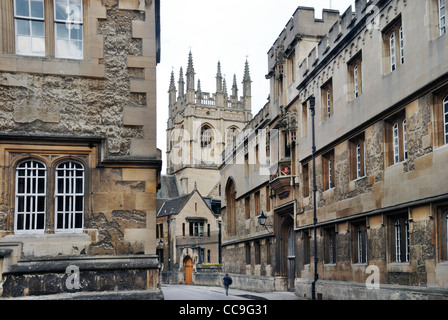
(262, 221)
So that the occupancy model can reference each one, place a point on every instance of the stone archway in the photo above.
(286, 246)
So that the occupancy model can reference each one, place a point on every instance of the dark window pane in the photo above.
(37, 28)
(40, 221)
(22, 8)
(60, 221)
(79, 185)
(37, 9)
(23, 27)
(20, 204)
(59, 203)
(21, 185)
(20, 222)
(79, 203)
(41, 185)
(78, 220)
(41, 204)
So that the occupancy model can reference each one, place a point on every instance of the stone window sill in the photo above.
(399, 267)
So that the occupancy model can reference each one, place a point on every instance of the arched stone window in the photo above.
(30, 199)
(232, 134)
(69, 197)
(206, 136)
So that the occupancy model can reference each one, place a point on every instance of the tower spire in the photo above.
(190, 72)
(219, 78)
(247, 88)
(172, 90)
(224, 85)
(181, 82)
(247, 82)
(235, 87)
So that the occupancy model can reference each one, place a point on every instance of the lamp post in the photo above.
(312, 101)
(169, 248)
(219, 243)
(262, 221)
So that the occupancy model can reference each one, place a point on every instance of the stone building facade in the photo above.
(259, 173)
(188, 237)
(378, 79)
(79, 165)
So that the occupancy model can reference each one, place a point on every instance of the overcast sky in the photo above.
(228, 31)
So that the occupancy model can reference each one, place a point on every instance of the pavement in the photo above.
(150, 295)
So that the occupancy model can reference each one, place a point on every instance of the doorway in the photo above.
(286, 248)
(188, 266)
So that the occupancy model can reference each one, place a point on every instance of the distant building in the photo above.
(378, 78)
(187, 235)
(79, 165)
(200, 125)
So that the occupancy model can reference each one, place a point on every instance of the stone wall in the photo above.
(48, 104)
(36, 277)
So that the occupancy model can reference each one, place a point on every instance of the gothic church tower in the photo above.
(201, 125)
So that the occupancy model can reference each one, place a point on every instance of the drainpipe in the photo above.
(311, 99)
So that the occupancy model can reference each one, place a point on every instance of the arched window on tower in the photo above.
(232, 134)
(206, 136)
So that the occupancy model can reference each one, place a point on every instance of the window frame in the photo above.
(396, 142)
(355, 80)
(206, 137)
(392, 51)
(405, 140)
(30, 195)
(393, 41)
(30, 19)
(442, 16)
(358, 157)
(445, 119)
(10, 41)
(72, 24)
(396, 139)
(328, 171)
(330, 245)
(360, 243)
(327, 100)
(68, 195)
(355, 76)
(399, 238)
(401, 43)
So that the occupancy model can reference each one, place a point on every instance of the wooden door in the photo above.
(189, 271)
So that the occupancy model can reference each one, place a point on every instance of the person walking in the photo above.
(227, 281)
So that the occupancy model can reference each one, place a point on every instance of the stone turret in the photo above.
(172, 91)
(219, 79)
(181, 83)
(235, 88)
(247, 88)
(190, 80)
